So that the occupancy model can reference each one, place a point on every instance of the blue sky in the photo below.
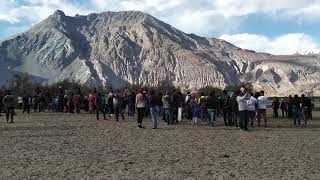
(278, 27)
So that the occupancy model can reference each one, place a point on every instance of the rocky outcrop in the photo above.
(121, 48)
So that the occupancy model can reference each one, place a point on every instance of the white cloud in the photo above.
(286, 44)
(34, 11)
(202, 17)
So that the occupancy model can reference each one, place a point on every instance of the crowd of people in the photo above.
(241, 109)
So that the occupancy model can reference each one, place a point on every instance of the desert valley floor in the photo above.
(60, 146)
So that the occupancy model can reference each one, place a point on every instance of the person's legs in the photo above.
(7, 114)
(11, 114)
(242, 117)
(246, 120)
(299, 118)
(121, 113)
(294, 119)
(116, 112)
(153, 112)
(251, 117)
(140, 116)
(97, 113)
(209, 116)
(168, 116)
(259, 117)
(264, 111)
(212, 118)
(226, 117)
(305, 115)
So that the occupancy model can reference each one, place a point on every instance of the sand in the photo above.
(60, 146)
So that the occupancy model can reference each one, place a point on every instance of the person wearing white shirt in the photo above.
(242, 98)
(252, 102)
(262, 108)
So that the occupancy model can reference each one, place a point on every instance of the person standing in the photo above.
(195, 108)
(296, 111)
(187, 107)
(60, 99)
(212, 107)
(20, 102)
(9, 104)
(305, 110)
(203, 107)
(27, 102)
(234, 110)
(98, 104)
(226, 105)
(284, 108)
(242, 98)
(153, 105)
(92, 100)
(276, 105)
(175, 106)
(290, 106)
(42, 102)
(251, 104)
(35, 103)
(117, 102)
(110, 103)
(141, 105)
(262, 108)
(167, 107)
(131, 105)
(76, 102)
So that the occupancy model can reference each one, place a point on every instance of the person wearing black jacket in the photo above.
(226, 108)
(212, 107)
(296, 110)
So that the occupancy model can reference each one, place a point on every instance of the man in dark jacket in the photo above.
(9, 104)
(226, 108)
(99, 105)
(212, 107)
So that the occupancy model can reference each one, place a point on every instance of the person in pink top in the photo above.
(92, 100)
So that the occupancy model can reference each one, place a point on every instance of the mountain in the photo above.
(121, 48)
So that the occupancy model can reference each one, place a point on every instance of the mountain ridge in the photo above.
(132, 47)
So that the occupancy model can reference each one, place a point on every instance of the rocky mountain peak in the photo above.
(59, 14)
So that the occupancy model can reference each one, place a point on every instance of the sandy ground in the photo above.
(60, 146)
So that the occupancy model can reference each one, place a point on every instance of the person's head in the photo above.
(141, 89)
(257, 94)
(251, 94)
(261, 93)
(225, 92)
(202, 94)
(302, 95)
(151, 92)
(212, 93)
(296, 96)
(188, 93)
(7, 92)
(241, 92)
